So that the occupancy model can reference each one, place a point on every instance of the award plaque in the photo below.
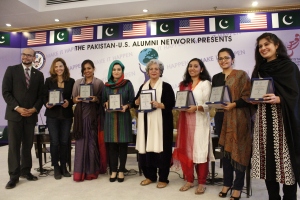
(219, 96)
(86, 91)
(184, 99)
(145, 102)
(260, 87)
(152, 91)
(55, 97)
(115, 102)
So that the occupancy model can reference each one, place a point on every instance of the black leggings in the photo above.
(117, 151)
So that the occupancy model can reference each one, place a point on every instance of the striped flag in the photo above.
(191, 25)
(258, 21)
(135, 29)
(84, 33)
(37, 38)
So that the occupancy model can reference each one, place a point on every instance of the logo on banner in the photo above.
(144, 57)
(4, 39)
(39, 61)
(293, 45)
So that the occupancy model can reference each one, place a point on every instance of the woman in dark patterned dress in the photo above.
(88, 118)
(235, 135)
(276, 139)
(117, 126)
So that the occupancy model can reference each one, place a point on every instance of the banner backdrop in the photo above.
(174, 51)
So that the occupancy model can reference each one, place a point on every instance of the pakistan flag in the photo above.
(4, 39)
(165, 27)
(59, 36)
(221, 24)
(108, 31)
(286, 19)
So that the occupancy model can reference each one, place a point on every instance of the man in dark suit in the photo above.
(22, 90)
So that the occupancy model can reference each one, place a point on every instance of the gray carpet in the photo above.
(49, 188)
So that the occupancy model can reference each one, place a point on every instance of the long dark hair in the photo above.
(281, 51)
(85, 62)
(204, 75)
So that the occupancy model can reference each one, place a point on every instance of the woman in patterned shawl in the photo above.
(276, 139)
(235, 135)
(117, 126)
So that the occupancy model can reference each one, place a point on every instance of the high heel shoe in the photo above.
(236, 198)
(120, 179)
(113, 179)
(224, 194)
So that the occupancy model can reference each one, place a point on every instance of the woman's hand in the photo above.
(271, 98)
(76, 99)
(137, 101)
(124, 108)
(191, 109)
(65, 104)
(157, 105)
(106, 105)
(229, 106)
(49, 106)
(94, 99)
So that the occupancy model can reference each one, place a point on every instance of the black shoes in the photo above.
(65, 172)
(114, 178)
(29, 177)
(120, 179)
(57, 173)
(224, 194)
(11, 183)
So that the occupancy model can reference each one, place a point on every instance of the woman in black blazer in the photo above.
(59, 116)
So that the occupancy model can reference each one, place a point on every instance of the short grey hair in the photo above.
(159, 63)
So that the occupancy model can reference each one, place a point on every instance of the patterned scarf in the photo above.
(111, 83)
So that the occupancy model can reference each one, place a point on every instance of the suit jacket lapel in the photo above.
(21, 74)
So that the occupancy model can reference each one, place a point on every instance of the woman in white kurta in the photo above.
(193, 145)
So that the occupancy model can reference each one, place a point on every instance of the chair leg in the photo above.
(248, 181)
(140, 169)
(69, 155)
(45, 151)
(213, 164)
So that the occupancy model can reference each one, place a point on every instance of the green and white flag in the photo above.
(59, 36)
(221, 24)
(162, 27)
(4, 39)
(108, 31)
(286, 19)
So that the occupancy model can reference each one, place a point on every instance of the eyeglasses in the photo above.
(225, 58)
(27, 55)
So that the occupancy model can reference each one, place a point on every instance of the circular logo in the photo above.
(39, 61)
(146, 55)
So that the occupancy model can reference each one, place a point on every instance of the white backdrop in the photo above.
(174, 56)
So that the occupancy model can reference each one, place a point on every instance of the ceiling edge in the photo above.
(152, 17)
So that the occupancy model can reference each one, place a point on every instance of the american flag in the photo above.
(191, 25)
(85, 33)
(258, 21)
(135, 29)
(37, 38)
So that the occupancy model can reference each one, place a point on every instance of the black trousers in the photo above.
(289, 191)
(19, 160)
(151, 173)
(117, 151)
(228, 169)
